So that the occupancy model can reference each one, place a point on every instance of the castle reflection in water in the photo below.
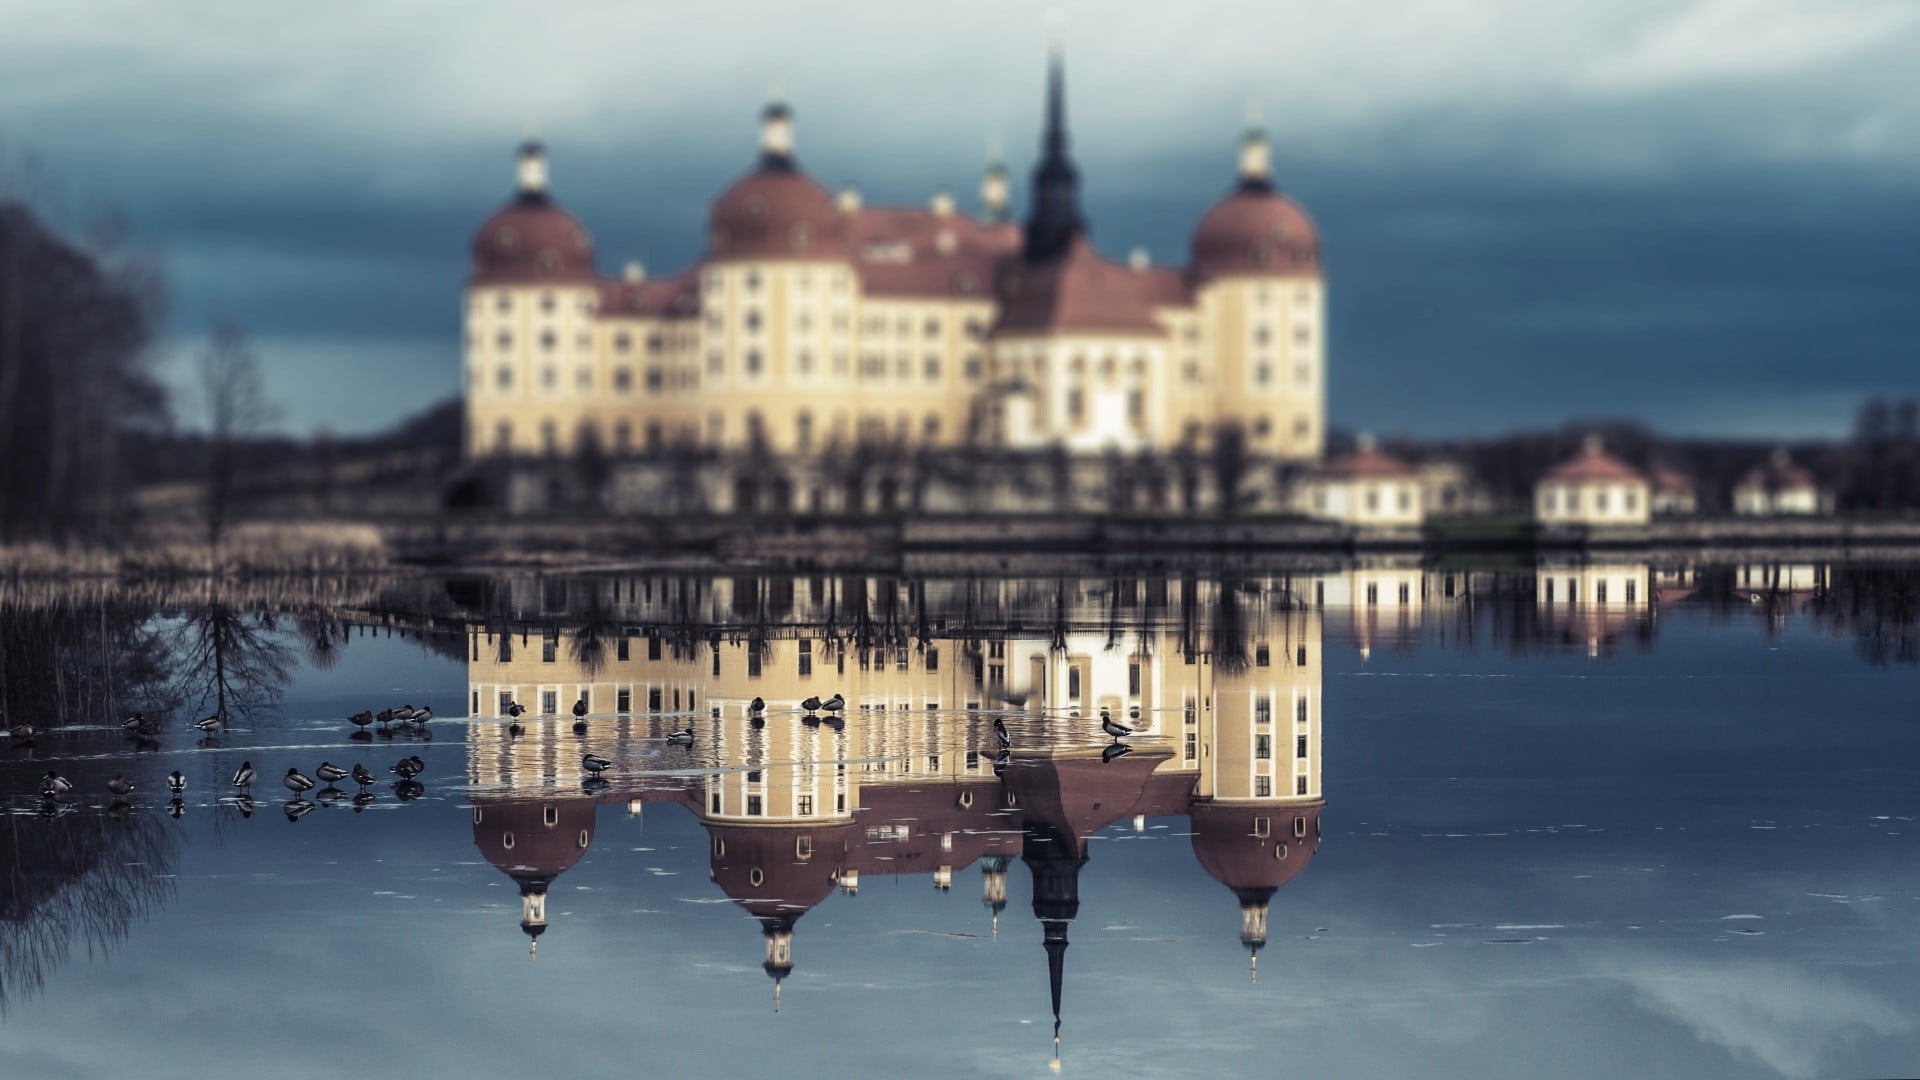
(1220, 680)
(1221, 685)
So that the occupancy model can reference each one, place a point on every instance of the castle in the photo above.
(814, 322)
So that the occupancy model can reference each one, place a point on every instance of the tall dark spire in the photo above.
(1054, 220)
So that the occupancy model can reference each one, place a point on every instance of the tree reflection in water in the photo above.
(75, 878)
(230, 659)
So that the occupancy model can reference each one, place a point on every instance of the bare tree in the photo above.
(236, 408)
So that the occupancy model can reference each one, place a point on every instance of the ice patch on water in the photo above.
(1724, 918)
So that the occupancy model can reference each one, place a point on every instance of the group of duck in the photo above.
(391, 722)
(142, 730)
(54, 787)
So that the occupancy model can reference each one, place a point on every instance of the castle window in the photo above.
(1262, 826)
(622, 439)
(752, 319)
(551, 815)
(622, 342)
(804, 362)
(753, 276)
(933, 327)
(654, 344)
(1299, 786)
(933, 367)
(716, 363)
(1262, 427)
(753, 361)
(1263, 374)
(971, 367)
(549, 436)
(506, 377)
(583, 378)
(804, 806)
(548, 377)
(548, 340)
(1262, 786)
(1262, 334)
(1076, 405)
(503, 435)
(503, 303)
(803, 845)
(506, 841)
(753, 810)
(548, 264)
(546, 302)
(503, 340)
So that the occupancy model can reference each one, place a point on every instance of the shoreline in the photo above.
(964, 544)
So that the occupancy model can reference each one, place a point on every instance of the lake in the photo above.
(1580, 818)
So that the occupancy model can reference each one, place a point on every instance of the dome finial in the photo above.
(995, 194)
(530, 173)
(776, 131)
(1256, 157)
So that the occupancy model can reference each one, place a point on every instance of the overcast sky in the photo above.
(1701, 212)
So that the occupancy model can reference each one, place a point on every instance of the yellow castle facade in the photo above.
(814, 322)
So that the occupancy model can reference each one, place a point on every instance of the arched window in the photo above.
(550, 815)
(506, 841)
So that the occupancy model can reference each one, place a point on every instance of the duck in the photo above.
(176, 809)
(244, 776)
(298, 808)
(834, 703)
(757, 705)
(176, 781)
(595, 765)
(812, 704)
(362, 800)
(404, 714)
(361, 719)
(1001, 735)
(579, 727)
(409, 790)
(514, 708)
(135, 722)
(22, 734)
(1114, 752)
(1114, 728)
(244, 804)
(208, 724)
(119, 786)
(516, 729)
(580, 708)
(1001, 761)
(329, 773)
(297, 781)
(385, 719)
(406, 768)
(684, 735)
(363, 775)
(421, 715)
(53, 785)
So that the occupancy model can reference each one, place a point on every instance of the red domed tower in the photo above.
(531, 297)
(776, 211)
(533, 841)
(777, 873)
(1254, 850)
(1256, 273)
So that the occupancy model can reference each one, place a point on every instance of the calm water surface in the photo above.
(1371, 821)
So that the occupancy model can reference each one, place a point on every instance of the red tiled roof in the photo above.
(654, 298)
(1233, 854)
(787, 885)
(538, 850)
(1255, 231)
(531, 241)
(1592, 464)
(1366, 463)
(1666, 478)
(776, 212)
(1079, 291)
(904, 251)
(1779, 474)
